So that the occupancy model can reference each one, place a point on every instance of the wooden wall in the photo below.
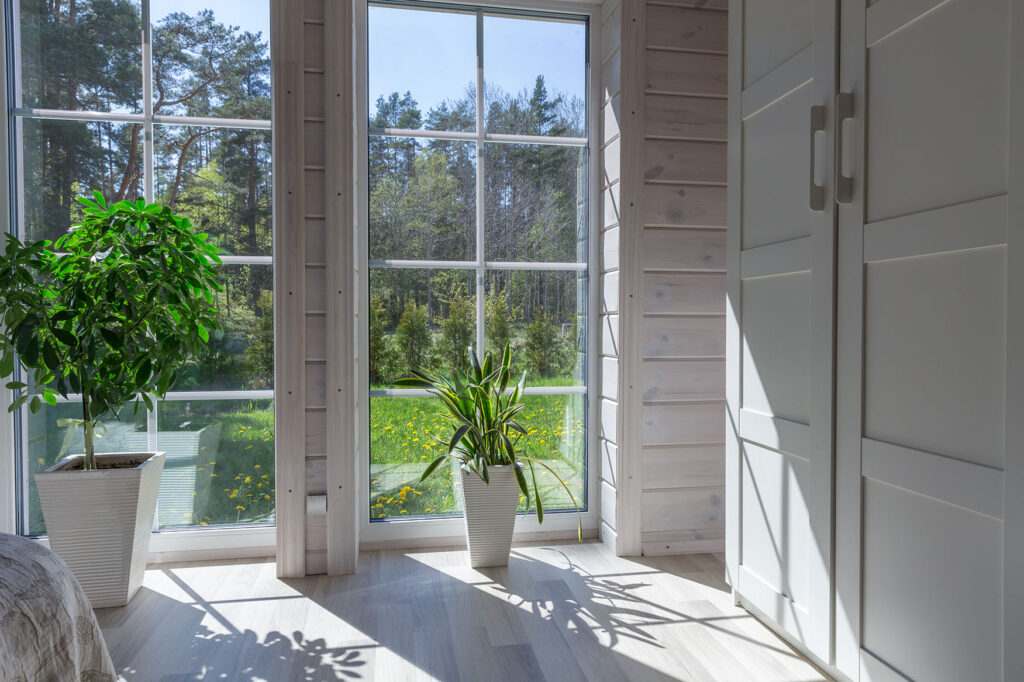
(313, 219)
(611, 100)
(682, 382)
(662, 282)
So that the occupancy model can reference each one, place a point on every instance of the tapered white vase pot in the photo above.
(490, 513)
(100, 521)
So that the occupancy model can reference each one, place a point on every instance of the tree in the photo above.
(413, 336)
(542, 347)
(498, 314)
(382, 355)
(458, 331)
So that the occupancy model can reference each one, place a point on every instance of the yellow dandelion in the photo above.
(239, 507)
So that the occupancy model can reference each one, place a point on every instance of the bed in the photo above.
(48, 631)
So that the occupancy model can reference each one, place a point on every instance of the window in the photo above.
(477, 214)
(167, 100)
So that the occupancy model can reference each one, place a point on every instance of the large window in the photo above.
(167, 100)
(478, 230)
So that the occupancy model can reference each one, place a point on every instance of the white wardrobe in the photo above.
(875, 384)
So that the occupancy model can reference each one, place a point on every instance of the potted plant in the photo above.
(108, 312)
(482, 412)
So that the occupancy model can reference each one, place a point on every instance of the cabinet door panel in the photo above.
(922, 349)
(781, 243)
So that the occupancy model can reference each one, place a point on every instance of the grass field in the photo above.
(402, 443)
(234, 479)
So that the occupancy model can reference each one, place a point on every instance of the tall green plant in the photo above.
(109, 311)
(413, 335)
(483, 413)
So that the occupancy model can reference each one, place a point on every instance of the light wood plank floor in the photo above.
(561, 613)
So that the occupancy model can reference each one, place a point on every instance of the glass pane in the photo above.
(556, 434)
(241, 355)
(211, 59)
(420, 319)
(535, 203)
(535, 71)
(422, 199)
(81, 56)
(220, 462)
(402, 432)
(543, 315)
(220, 180)
(66, 159)
(422, 69)
(44, 440)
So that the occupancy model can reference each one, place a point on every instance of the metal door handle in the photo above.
(817, 200)
(844, 112)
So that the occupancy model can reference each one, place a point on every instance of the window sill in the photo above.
(209, 544)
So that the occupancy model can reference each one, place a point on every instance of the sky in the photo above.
(249, 15)
(433, 54)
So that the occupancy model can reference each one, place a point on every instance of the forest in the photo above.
(422, 206)
(85, 55)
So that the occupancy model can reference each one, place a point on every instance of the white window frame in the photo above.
(209, 542)
(402, 532)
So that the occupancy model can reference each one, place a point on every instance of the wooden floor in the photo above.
(559, 612)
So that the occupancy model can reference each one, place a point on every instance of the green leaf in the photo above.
(6, 363)
(459, 433)
(65, 337)
(536, 493)
(111, 337)
(432, 466)
(521, 480)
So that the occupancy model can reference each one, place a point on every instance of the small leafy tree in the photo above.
(109, 311)
(542, 346)
(499, 331)
(458, 331)
(382, 354)
(413, 336)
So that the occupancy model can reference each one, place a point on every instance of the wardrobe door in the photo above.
(922, 321)
(781, 241)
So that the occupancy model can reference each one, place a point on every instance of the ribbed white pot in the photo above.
(100, 522)
(490, 513)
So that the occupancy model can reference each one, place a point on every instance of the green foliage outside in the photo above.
(458, 332)
(412, 336)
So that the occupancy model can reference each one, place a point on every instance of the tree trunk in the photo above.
(89, 428)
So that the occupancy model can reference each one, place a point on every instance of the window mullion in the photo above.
(147, 103)
(148, 156)
(480, 165)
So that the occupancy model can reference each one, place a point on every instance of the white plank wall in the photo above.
(313, 218)
(611, 219)
(683, 255)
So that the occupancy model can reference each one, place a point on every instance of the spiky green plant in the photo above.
(482, 410)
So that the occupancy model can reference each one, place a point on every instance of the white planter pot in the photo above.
(490, 513)
(100, 522)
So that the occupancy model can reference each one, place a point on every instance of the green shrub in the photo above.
(457, 332)
(543, 347)
(413, 337)
(499, 331)
(383, 356)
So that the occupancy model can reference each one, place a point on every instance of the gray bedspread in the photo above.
(48, 631)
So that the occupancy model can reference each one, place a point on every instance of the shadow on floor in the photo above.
(426, 614)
